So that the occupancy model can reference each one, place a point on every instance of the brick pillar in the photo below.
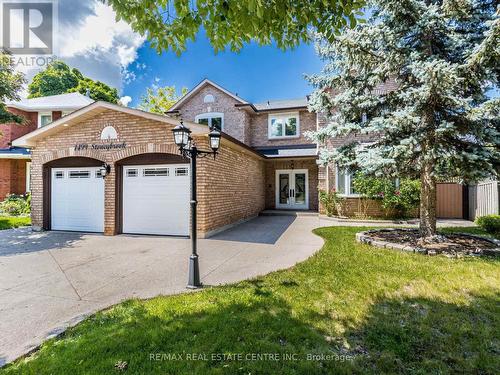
(37, 196)
(109, 202)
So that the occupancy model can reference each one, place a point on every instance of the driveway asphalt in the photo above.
(52, 280)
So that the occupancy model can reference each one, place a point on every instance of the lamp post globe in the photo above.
(181, 135)
(214, 139)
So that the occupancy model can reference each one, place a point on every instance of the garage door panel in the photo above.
(77, 200)
(156, 199)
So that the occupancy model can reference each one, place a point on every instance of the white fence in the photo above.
(483, 199)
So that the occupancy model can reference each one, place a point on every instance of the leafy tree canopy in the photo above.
(436, 122)
(59, 78)
(97, 90)
(10, 85)
(169, 24)
(160, 100)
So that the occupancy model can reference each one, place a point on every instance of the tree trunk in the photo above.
(427, 201)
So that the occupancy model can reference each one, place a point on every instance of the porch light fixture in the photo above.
(105, 170)
(188, 149)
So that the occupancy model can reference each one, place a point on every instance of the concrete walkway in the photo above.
(51, 280)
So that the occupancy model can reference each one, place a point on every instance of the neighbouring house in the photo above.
(265, 162)
(37, 112)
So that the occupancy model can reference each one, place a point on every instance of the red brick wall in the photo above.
(11, 131)
(5, 172)
(12, 177)
(56, 115)
(230, 188)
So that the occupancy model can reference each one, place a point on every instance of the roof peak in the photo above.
(199, 86)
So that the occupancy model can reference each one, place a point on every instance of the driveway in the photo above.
(51, 280)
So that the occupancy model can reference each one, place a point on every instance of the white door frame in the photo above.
(291, 205)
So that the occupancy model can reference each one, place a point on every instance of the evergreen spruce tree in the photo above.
(438, 123)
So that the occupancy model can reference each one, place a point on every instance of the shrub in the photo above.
(490, 223)
(333, 203)
(16, 205)
(397, 200)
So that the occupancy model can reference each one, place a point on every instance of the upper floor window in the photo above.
(44, 119)
(212, 119)
(283, 125)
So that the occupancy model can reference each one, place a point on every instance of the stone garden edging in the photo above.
(364, 237)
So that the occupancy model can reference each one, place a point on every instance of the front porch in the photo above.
(292, 184)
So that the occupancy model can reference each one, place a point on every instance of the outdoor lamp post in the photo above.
(187, 148)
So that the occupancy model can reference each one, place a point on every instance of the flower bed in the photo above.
(452, 245)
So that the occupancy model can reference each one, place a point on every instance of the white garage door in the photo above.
(77, 199)
(156, 199)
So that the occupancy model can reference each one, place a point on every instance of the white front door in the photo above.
(156, 199)
(292, 189)
(77, 199)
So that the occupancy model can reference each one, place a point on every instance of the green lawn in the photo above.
(8, 222)
(371, 310)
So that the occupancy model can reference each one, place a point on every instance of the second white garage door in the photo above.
(156, 199)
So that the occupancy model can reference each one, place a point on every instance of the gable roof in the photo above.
(73, 100)
(94, 109)
(198, 87)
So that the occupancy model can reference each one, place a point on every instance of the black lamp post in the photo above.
(182, 138)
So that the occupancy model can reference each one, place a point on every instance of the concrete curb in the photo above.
(369, 221)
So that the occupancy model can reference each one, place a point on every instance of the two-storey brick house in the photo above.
(275, 129)
(265, 161)
(37, 112)
(111, 169)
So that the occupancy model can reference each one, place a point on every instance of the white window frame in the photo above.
(209, 116)
(347, 187)
(40, 114)
(28, 177)
(283, 116)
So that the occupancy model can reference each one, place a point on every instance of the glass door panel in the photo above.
(284, 188)
(300, 188)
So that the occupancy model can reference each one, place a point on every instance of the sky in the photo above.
(91, 40)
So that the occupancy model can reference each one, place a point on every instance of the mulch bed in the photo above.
(446, 244)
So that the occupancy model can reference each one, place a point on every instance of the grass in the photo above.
(369, 310)
(472, 230)
(8, 222)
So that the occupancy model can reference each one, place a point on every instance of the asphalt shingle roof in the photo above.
(281, 104)
(71, 100)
